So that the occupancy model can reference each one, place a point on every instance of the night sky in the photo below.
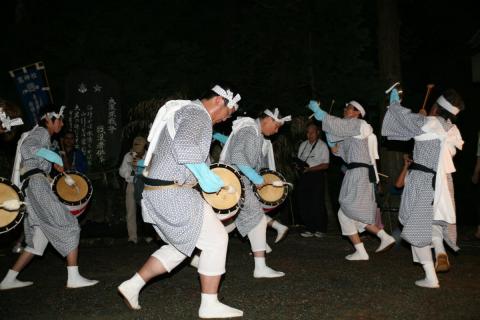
(160, 48)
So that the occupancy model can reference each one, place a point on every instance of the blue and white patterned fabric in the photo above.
(44, 209)
(177, 213)
(357, 194)
(245, 148)
(416, 207)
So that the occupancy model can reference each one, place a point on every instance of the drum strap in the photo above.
(156, 182)
(24, 178)
(170, 186)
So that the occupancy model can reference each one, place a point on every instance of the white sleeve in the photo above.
(300, 149)
(319, 154)
(125, 169)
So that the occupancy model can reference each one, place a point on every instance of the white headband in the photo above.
(447, 105)
(357, 106)
(8, 123)
(275, 115)
(232, 100)
(51, 115)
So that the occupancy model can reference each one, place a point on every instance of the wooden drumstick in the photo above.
(11, 205)
(279, 183)
(311, 116)
(429, 88)
(382, 175)
(70, 182)
(329, 110)
(331, 105)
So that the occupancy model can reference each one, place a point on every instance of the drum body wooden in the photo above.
(75, 197)
(226, 204)
(10, 219)
(271, 196)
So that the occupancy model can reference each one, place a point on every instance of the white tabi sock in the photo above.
(75, 280)
(386, 241)
(431, 280)
(130, 290)
(263, 271)
(359, 254)
(210, 307)
(10, 281)
(281, 230)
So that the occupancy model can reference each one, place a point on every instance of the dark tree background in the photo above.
(277, 53)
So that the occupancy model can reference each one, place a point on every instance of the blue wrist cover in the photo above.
(50, 156)
(251, 174)
(220, 137)
(208, 180)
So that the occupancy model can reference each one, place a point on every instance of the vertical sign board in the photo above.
(94, 114)
(32, 86)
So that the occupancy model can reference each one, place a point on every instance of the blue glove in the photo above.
(141, 163)
(140, 166)
(315, 107)
(394, 97)
(50, 156)
(220, 137)
(251, 174)
(208, 180)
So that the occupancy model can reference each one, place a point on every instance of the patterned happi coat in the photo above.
(44, 210)
(357, 194)
(177, 213)
(416, 207)
(245, 148)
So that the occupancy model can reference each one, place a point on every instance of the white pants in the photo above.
(437, 239)
(213, 241)
(40, 242)
(131, 217)
(422, 254)
(349, 226)
(258, 236)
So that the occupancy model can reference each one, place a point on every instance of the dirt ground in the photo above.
(319, 284)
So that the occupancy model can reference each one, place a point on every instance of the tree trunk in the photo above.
(390, 72)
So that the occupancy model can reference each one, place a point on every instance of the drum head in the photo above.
(269, 194)
(225, 201)
(79, 193)
(9, 219)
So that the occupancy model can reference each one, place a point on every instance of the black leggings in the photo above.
(310, 201)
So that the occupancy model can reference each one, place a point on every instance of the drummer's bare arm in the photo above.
(334, 149)
(260, 186)
(318, 167)
(57, 167)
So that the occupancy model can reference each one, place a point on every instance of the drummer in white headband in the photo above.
(248, 150)
(48, 220)
(427, 210)
(352, 139)
(176, 159)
